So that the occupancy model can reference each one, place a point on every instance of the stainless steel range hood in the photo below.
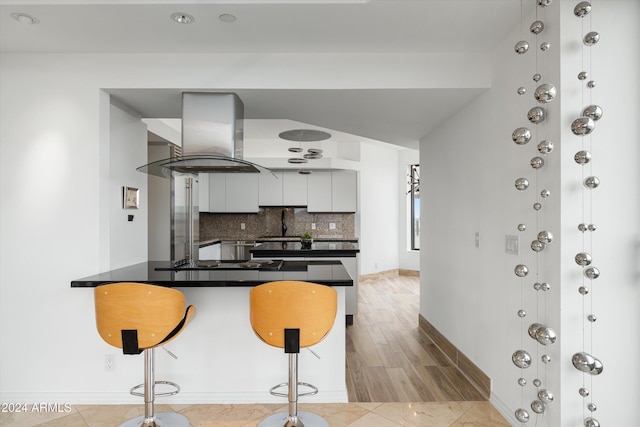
(212, 137)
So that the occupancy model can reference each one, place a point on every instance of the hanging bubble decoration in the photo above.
(543, 94)
(584, 126)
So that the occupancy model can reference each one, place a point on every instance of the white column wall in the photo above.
(469, 165)
(614, 207)
(379, 209)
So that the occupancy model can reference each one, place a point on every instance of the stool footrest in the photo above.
(164, 393)
(314, 390)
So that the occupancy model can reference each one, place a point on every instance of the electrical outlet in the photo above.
(313, 225)
(332, 226)
(110, 362)
(242, 226)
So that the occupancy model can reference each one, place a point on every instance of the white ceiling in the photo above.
(398, 116)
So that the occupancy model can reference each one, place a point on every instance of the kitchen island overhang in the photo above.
(221, 360)
(330, 273)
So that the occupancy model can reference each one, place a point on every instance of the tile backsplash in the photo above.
(268, 223)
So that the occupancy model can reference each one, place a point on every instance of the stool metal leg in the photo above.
(150, 419)
(294, 418)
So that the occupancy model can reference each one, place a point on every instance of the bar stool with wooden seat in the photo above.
(293, 315)
(137, 318)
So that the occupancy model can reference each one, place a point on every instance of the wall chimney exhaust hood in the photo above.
(212, 137)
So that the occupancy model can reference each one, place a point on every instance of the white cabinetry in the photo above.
(283, 189)
(270, 189)
(242, 192)
(334, 191)
(344, 196)
(232, 192)
(203, 192)
(319, 192)
(217, 192)
(294, 189)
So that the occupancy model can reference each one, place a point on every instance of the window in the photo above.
(414, 203)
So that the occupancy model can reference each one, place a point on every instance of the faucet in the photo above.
(284, 226)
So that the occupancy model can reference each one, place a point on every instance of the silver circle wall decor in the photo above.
(541, 115)
(584, 127)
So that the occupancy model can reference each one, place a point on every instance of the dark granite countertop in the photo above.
(261, 239)
(331, 273)
(294, 249)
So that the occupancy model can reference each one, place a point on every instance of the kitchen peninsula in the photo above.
(221, 274)
(220, 358)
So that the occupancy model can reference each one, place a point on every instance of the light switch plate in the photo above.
(511, 244)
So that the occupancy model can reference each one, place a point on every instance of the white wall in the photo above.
(159, 212)
(614, 207)
(379, 209)
(128, 150)
(468, 169)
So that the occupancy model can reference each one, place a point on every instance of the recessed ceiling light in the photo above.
(227, 17)
(182, 18)
(25, 18)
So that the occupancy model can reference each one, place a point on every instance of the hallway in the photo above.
(389, 359)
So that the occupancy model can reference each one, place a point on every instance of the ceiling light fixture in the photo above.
(182, 18)
(297, 160)
(304, 135)
(25, 18)
(227, 17)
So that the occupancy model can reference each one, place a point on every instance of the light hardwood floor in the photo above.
(388, 358)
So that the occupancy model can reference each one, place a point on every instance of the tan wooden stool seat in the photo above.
(293, 315)
(138, 317)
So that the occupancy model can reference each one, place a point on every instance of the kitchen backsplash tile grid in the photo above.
(268, 223)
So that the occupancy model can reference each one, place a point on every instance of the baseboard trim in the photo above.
(474, 374)
(389, 273)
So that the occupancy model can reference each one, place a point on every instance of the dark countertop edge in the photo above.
(301, 253)
(209, 242)
(204, 284)
(297, 239)
(289, 266)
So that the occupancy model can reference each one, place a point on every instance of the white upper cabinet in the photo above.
(203, 192)
(270, 189)
(344, 195)
(233, 193)
(242, 192)
(334, 191)
(294, 189)
(217, 192)
(283, 189)
(319, 192)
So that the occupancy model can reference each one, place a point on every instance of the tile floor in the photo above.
(364, 414)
